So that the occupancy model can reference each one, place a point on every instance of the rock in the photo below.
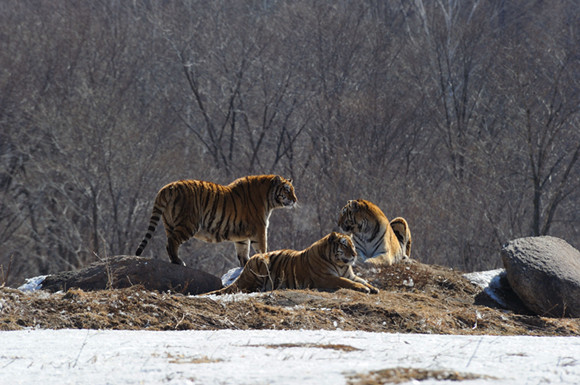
(125, 271)
(545, 273)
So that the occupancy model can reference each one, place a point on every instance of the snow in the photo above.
(275, 357)
(489, 281)
(33, 284)
(483, 278)
(231, 275)
(234, 297)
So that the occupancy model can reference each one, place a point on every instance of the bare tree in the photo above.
(542, 75)
(461, 116)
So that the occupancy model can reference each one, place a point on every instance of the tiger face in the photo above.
(377, 241)
(285, 196)
(343, 252)
(352, 217)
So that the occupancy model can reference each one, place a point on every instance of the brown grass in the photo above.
(403, 375)
(339, 347)
(439, 300)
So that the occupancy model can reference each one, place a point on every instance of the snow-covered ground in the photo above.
(278, 357)
(275, 357)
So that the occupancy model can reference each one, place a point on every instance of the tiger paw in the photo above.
(373, 290)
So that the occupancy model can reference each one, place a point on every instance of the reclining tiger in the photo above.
(326, 264)
(238, 212)
(377, 241)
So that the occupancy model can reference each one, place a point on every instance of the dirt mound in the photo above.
(414, 298)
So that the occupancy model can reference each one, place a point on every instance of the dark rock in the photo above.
(125, 271)
(545, 273)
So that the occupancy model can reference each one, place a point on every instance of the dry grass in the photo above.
(403, 375)
(438, 300)
(339, 347)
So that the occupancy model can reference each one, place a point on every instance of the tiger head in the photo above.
(356, 216)
(341, 249)
(284, 195)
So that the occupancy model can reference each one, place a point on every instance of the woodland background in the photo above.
(460, 115)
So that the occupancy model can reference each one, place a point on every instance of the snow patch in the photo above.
(231, 275)
(490, 282)
(483, 278)
(234, 297)
(33, 284)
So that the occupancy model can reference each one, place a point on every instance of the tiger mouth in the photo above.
(347, 228)
(348, 261)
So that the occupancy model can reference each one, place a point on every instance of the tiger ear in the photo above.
(290, 181)
(354, 204)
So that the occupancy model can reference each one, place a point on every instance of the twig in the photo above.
(474, 352)
(4, 276)
(81, 349)
(109, 271)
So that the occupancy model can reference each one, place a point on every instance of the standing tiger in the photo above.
(326, 264)
(238, 212)
(377, 241)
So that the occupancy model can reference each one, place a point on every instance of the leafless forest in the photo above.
(460, 115)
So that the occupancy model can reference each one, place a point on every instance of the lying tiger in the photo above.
(326, 264)
(238, 212)
(377, 241)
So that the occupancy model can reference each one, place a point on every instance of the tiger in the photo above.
(238, 212)
(326, 265)
(377, 241)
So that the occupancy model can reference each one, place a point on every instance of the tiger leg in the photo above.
(243, 251)
(172, 247)
(255, 276)
(380, 260)
(358, 279)
(231, 289)
(345, 283)
(350, 275)
(176, 235)
(260, 243)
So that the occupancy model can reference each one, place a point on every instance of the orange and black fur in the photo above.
(238, 212)
(377, 241)
(326, 264)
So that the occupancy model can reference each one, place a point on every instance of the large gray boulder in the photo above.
(545, 273)
(125, 271)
